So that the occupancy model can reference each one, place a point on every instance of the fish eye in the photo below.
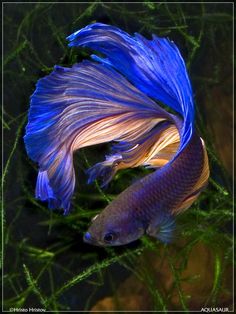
(109, 237)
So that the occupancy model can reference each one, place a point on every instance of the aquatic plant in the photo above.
(45, 263)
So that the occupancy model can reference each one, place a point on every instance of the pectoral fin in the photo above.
(162, 228)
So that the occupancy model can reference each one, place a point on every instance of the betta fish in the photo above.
(119, 96)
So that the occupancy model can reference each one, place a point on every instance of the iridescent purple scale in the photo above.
(163, 190)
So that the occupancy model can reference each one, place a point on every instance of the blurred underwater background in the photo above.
(45, 262)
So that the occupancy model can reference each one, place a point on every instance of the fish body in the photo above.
(115, 99)
(150, 203)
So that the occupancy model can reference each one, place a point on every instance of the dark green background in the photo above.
(43, 249)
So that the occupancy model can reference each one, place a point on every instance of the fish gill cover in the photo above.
(41, 246)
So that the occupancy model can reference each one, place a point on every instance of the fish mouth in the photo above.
(87, 238)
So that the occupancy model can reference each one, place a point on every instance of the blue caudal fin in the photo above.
(44, 192)
(154, 66)
(76, 107)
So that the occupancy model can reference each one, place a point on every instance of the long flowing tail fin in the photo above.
(108, 100)
(155, 67)
(77, 107)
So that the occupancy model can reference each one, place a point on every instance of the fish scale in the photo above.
(166, 188)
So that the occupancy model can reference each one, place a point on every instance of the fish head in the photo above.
(113, 229)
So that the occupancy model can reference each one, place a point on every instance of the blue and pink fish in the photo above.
(116, 98)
